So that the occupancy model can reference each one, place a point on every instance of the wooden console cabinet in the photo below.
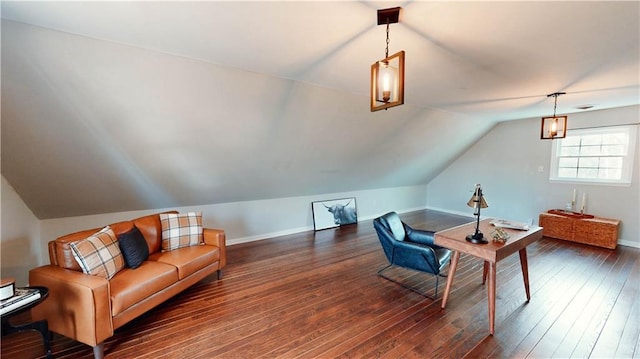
(602, 232)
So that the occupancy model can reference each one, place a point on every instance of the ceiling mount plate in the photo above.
(391, 15)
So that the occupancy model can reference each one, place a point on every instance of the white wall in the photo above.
(20, 246)
(506, 162)
(254, 220)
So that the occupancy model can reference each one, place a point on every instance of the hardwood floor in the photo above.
(317, 295)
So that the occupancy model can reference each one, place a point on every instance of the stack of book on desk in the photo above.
(22, 296)
(503, 223)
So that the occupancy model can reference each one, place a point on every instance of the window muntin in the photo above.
(598, 155)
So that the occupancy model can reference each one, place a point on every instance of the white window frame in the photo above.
(627, 159)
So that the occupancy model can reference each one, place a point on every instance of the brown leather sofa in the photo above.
(88, 308)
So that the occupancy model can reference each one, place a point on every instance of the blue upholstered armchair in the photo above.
(409, 248)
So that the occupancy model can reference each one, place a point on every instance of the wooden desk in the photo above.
(491, 253)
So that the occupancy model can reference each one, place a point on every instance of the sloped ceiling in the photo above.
(116, 106)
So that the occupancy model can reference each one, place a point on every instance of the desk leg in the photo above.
(485, 270)
(452, 270)
(525, 271)
(491, 293)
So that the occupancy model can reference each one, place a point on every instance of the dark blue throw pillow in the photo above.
(134, 248)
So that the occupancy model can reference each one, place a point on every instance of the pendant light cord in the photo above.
(386, 50)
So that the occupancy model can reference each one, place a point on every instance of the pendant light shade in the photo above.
(387, 82)
(553, 127)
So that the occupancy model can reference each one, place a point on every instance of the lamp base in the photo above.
(477, 238)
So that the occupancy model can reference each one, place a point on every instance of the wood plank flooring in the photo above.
(317, 295)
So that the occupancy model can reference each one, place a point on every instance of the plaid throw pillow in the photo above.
(181, 230)
(99, 254)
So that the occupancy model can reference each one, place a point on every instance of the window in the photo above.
(598, 155)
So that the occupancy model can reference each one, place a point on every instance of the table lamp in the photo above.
(476, 202)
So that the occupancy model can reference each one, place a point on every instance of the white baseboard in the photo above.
(459, 213)
(259, 237)
(366, 218)
(623, 242)
(286, 232)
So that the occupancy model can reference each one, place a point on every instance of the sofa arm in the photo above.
(217, 237)
(78, 305)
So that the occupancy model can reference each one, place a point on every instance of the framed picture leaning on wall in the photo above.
(334, 213)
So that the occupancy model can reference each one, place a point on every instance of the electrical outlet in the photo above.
(541, 168)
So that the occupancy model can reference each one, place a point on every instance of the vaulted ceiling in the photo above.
(116, 106)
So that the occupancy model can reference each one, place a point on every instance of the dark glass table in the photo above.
(40, 325)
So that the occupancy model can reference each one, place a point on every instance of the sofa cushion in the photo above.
(132, 286)
(134, 248)
(181, 230)
(99, 254)
(188, 260)
(60, 252)
(151, 229)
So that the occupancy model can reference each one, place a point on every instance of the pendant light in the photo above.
(387, 75)
(554, 126)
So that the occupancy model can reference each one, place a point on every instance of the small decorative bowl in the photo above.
(7, 288)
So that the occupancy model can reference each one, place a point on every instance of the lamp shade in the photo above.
(477, 199)
(387, 82)
(473, 202)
